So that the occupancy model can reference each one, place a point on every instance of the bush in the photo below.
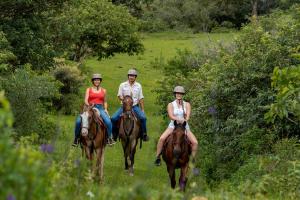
(230, 91)
(72, 80)
(24, 173)
(29, 94)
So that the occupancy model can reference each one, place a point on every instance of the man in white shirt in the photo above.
(133, 89)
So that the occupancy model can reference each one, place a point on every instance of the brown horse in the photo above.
(129, 133)
(176, 154)
(93, 138)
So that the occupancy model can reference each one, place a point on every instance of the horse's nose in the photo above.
(176, 153)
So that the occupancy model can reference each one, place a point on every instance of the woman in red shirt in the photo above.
(96, 96)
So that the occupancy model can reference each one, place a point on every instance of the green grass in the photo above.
(114, 71)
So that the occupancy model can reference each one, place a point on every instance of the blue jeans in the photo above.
(137, 110)
(103, 115)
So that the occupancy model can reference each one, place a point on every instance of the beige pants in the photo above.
(167, 132)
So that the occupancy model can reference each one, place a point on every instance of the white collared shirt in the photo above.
(135, 91)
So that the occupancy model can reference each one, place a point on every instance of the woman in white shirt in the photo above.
(180, 111)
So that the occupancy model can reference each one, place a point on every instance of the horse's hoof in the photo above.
(130, 174)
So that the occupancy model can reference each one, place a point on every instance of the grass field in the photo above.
(114, 70)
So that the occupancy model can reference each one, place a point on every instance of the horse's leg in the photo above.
(101, 165)
(183, 177)
(171, 171)
(125, 155)
(98, 163)
(132, 152)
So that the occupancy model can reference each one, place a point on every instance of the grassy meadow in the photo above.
(161, 46)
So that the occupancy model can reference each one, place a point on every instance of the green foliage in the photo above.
(39, 30)
(230, 90)
(6, 118)
(287, 104)
(29, 94)
(99, 28)
(72, 80)
(134, 6)
(209, 15)
(25, 24)
(6, 56)
(23, 174)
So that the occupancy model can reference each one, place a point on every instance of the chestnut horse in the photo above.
(93, 138)
(129, 133)
(176, 154)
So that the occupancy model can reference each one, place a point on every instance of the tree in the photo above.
(97, 27)
(24, 23)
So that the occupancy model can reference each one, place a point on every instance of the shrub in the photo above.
(24, 172)
(28, 94)
(72, 80)
(230, 90)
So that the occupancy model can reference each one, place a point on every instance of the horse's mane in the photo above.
(97, 117)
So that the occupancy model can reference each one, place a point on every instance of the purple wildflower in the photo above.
(10, 197)
(212, 110)
(47, 148)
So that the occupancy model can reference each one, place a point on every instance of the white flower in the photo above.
(90, 194)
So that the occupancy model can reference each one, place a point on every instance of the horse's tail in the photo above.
(141, 138)
(141, 142)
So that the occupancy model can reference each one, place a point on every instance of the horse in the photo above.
(93, 138)
(176, 154)
(129, 133)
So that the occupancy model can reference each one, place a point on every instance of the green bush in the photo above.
(29, 95)
(24, 172)
(72, 80)
(230, 91)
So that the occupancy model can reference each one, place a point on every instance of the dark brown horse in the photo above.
(129, 133)
(176, 154)
(93, 138)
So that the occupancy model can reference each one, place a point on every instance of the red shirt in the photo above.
(96, 97)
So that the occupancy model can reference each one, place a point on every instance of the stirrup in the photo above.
(157, 161)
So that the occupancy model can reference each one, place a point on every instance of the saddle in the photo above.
(122, 134)
(168, 139)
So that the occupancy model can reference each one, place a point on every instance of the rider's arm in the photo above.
(105, 102)
(141, 102)
(188, 111)
(120, 95)
(170, 113)
(86, 98)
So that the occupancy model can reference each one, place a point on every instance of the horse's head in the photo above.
(89, 119)
(178, 138)
(127, 106)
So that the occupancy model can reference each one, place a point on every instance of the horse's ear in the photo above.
(175, 123)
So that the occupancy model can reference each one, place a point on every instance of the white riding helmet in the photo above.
(132, 72)
(179, 89)
(97, 76)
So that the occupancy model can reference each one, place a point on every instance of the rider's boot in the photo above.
(157, 161)
(145, 137)
(75, 142)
